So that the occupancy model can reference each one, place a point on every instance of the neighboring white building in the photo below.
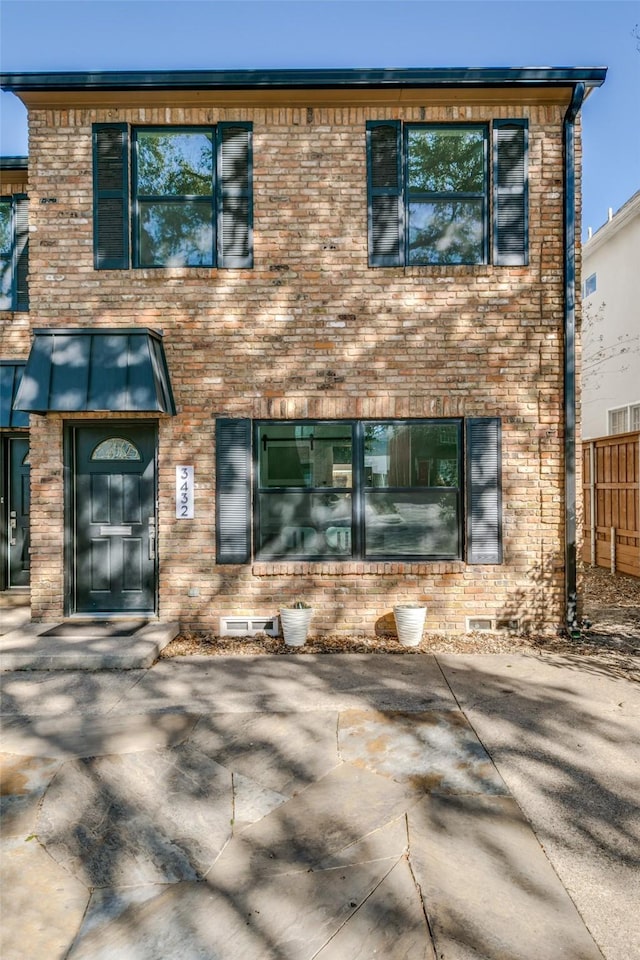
(611, 324)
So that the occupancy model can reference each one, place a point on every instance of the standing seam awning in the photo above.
(111, 370)
(10, 375)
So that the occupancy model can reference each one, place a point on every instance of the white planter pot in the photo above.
(409, 623)
(295, 625)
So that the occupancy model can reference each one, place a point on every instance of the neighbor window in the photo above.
(618, 420)
(590, 285)
(372, 490)
(430, 193)
(189, 203)
(14, 252)
(624, 419)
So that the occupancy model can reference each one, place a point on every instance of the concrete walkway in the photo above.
(327, 807)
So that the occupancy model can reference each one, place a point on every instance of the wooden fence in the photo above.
(611, 492)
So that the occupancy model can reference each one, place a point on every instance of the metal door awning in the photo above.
(10, 376)
(110, 369)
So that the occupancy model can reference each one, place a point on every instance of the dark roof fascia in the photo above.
(311, 79)
(14, 163)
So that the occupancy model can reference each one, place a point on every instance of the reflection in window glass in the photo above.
(375, 489)
(299, 523)
(315, 518)
(175, 197)
(116, 448)
(445, 160)
(446, 194)
(6, 250)
(412, 479)
(296, 455)
(416, 523)
(590, 285)
(444, 232)
(173, 163)
(5, 228)
(411, 455)
(175, 234)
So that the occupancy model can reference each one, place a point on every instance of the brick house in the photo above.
(295, 333)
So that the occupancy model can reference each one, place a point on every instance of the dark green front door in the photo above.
(114, 557)
(18, 513)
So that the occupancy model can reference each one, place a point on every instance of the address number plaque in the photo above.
(184, 493)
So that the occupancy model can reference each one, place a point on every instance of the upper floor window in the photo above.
(618, 421)
(173, 196)
(430, 193)
(590, 285)
(14, 253)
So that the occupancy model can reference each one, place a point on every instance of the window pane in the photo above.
(416, 523)
(5, 229)
(446, 160)
(445, 232)
(176, 234)
(296, 455)
(305, 524)
(173, 163)
(411, 455)
(618, 420)
(5, 256)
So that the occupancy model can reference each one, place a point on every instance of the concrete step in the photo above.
(85, 645)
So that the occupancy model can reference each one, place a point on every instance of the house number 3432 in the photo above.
(184, 493)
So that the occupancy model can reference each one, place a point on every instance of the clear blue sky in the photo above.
(47, 35)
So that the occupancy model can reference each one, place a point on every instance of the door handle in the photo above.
(152, 538)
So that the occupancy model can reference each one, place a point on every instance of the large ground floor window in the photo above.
(412, 490)
(373, 489)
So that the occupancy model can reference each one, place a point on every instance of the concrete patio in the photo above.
(325, 807)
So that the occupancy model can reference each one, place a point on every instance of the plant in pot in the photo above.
(410, 619)
(295, 623)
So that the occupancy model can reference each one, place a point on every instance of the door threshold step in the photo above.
(85, 645)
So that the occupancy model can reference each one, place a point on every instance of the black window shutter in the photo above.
(235, 195)
(110, 196)
(510, 193)
(233, 490)
(21, 252)
(385, 201)
(484, 495)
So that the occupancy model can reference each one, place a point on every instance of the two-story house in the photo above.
(299, 334)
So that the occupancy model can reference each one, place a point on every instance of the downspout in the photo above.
(570, 534)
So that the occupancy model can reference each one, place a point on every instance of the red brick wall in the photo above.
(312, 331)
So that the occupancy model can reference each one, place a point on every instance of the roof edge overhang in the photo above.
(14, 163)
(424, 77)
(302, 88)
(629, 210)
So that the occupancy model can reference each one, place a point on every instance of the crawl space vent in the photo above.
(488, 624)
(248, 626)
(479, 623)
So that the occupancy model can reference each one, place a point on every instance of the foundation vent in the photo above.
(488, 624)
(248, 626)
